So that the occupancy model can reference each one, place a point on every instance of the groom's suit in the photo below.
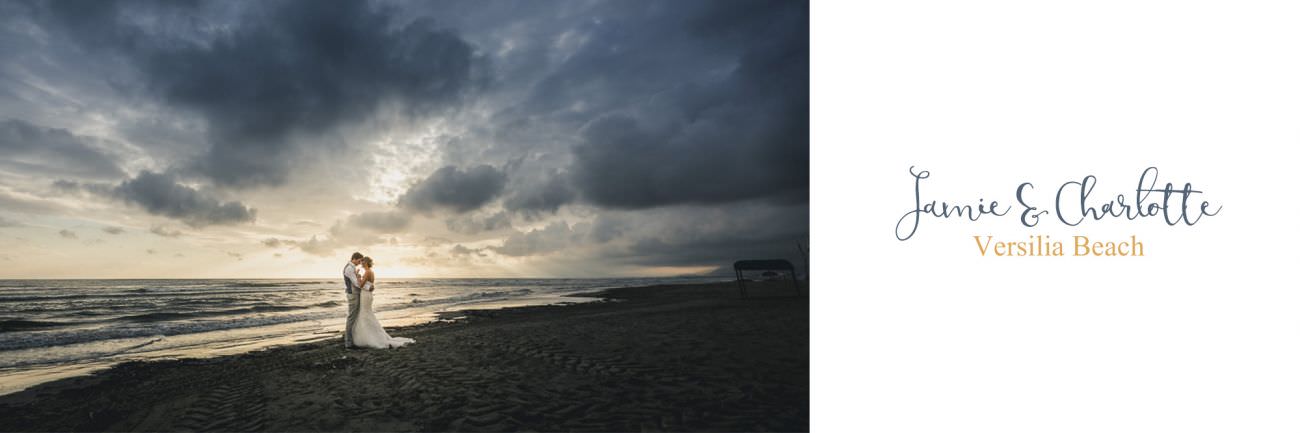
(354, 301)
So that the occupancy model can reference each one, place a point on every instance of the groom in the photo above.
(354, 297)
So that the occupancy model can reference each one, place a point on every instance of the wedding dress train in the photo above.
(368, 332)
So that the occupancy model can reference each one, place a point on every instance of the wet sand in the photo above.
(659, 358)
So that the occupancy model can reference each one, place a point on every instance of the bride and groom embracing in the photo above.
(363, 328)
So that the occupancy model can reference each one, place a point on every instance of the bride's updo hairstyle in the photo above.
(367, 261)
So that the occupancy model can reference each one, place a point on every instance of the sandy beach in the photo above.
(658, 358)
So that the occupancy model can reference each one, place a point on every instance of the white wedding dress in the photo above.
(368, 332)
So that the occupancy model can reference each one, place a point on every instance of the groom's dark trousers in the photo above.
(354, 310)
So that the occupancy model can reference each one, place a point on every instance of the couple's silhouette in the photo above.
(363, 329)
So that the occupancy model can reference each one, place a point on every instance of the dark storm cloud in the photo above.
(471, 224)
(35, 150)
(702, 103)
(452, 188)
(670, 133)
(715, 250)
(275, 73)
(604, 229)
(160, 194)
(622, 163)
(677, 236)
(735, 234)
(535, 198)
(66, 186)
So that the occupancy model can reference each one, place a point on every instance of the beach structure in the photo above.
(769, 267)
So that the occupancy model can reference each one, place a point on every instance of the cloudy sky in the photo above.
(457, 139)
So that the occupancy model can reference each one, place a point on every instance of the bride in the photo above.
(368, 332)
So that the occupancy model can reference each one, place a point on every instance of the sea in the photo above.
(53, 329)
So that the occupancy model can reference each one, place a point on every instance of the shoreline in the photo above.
(244, 339)
(664, 357)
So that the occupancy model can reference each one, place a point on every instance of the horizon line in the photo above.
(330, 278)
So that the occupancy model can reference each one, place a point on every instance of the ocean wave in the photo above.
(12, 325)
(169, 324)
(173, 316)
(252, 284)
(86, 313)
(157, 317)
(143, 293)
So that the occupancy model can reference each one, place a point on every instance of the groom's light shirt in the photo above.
(350, 273)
